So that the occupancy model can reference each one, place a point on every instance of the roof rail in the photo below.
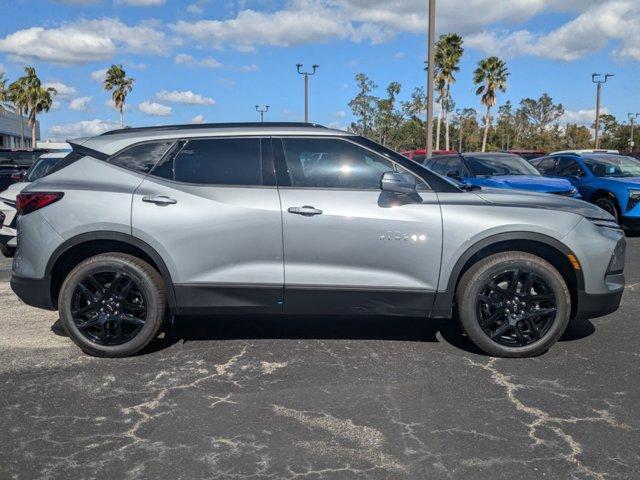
(199, 126)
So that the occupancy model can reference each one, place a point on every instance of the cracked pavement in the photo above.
(320, 398)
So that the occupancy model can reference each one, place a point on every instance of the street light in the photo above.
(262, 110)
(431, 37)
(306, 88)
(597, 79)
(632, 119)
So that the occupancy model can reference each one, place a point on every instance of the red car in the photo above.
(420, 156)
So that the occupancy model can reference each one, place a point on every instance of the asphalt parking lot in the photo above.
(293, 398)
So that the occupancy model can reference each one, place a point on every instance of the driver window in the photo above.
(333, 163)
(568, 167)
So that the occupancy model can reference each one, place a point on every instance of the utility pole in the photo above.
(431, 38)
(262, 110)
(306, 88)
(632, 119)
(597, 79)
(461, 120)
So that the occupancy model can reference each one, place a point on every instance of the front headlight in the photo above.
(634, 199)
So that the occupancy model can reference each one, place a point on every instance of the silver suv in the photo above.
(140, 224)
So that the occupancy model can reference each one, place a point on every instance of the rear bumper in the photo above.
(35, 292)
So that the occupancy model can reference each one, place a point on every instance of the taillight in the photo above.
(30, 202)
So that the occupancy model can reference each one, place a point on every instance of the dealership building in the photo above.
(10, 129)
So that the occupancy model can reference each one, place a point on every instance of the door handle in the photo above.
(305, 211)
(159, 200)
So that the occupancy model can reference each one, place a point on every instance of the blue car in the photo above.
(608, 180)
(499, 170)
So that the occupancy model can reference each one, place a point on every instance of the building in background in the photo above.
(10, 129)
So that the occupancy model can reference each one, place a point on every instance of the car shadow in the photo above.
(283, 327)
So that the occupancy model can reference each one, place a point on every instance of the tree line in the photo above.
(29, 97)
(532, 124)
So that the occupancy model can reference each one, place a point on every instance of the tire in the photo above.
(8, 252)
(507, 318)
(98, 285)
(609, 205)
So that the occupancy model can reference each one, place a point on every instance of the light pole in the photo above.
(460, 119)
(262, 110)
(306, 88)
(632, 119)
(431, 37)
(597, 79)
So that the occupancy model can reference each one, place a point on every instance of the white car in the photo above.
(39, 169)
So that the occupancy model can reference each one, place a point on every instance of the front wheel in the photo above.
(609, 205)
(513, 304)
(112, 305)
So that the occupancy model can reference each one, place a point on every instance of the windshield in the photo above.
(491, 165)
(612, 165)
(41, 168)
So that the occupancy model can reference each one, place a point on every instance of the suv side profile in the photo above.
(139, 224)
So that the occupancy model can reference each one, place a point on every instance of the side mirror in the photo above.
(398, 183)
(455, 174)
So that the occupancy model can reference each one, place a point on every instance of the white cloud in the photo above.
(84, 41)
(185, 97)
(99, 75)
(399, 55)
(56, 105)
(340, 114)
(195, 9)
(227, 82)
(198, 119)
(154, 109)
(81, 104)
(64, 92)
(190, 61)
(586, 116)
(141, 3)
(85, 128)
(589, 32)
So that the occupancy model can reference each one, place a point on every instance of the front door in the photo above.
(350, 247)
(212, 211)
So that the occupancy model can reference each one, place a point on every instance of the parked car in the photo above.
(608, 180)
(206, 219)
(499, 170)
(8, 200)
(528, 154)
(421, 155)
(15, 163)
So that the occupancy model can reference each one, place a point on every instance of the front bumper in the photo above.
(35, 292)
(631, 223)
(594, 306)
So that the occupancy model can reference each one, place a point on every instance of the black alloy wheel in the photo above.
(516, 308)
(109, 308)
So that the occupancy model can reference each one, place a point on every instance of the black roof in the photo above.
(200, 126)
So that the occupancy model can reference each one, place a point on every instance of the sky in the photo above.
(215, 60)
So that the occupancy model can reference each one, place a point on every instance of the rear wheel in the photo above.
(609, 205)
(112, 305)
(513, 304)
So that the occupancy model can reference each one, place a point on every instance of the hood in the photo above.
(521, 198)
(534, 183)
(13, 190)
(629, 182)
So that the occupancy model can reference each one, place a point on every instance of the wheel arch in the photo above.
(81, 247)
(601, 192)
(548, 248)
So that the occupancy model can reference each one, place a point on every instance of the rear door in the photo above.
(212, 211)
(350, 247)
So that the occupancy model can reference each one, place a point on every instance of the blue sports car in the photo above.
(498, 170)
(608, 180)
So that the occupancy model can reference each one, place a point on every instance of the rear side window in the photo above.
(143, 157)
(546, 166)
(220, 161)
(567, 167)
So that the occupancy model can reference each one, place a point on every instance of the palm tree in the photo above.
(448, 59)
(120, 86)
(18, 96)
(4, 93)
(35, 99)
(491, 76)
